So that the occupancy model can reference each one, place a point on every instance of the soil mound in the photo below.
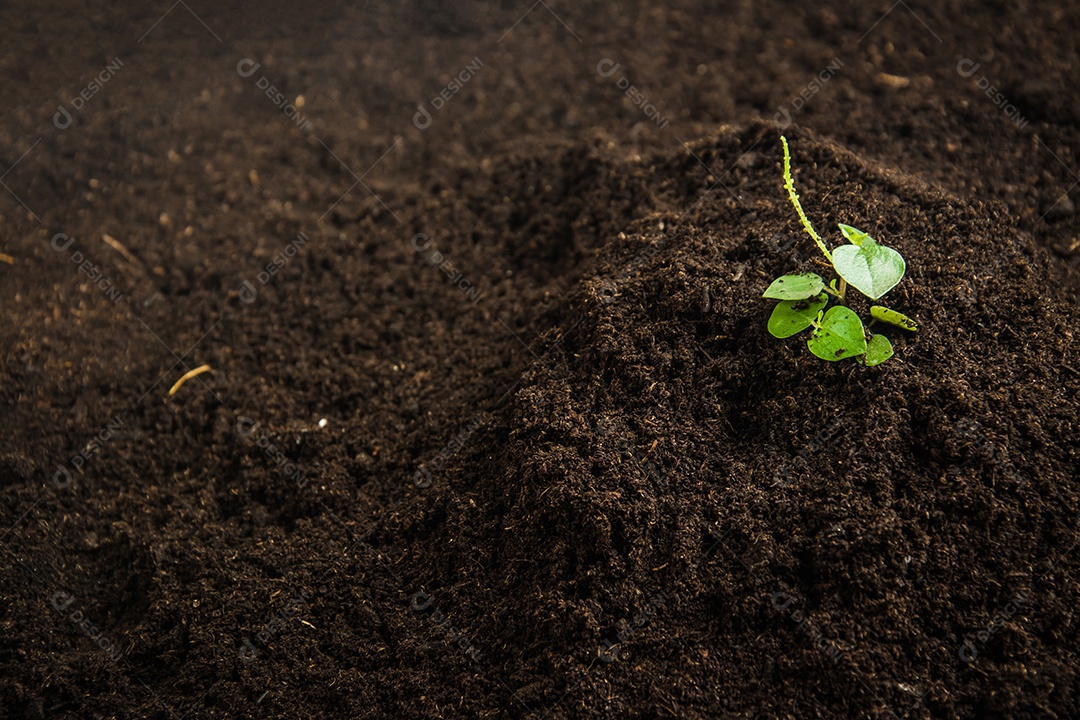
(673, 493)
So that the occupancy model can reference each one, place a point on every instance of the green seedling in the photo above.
(864, 264)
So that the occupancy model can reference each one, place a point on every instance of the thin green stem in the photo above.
(832, 292)
(789, 185)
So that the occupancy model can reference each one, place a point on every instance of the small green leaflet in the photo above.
(795, 287)
(854, 235)
(892, 317)
(793, 316)
(878, 350)
(840, 335)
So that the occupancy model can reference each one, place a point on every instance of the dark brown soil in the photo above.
(499, 430)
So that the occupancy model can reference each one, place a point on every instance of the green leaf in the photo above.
(871, 269)
(854, 235)
(840, 335)
(795, 287)
(892, 317)
(793, 316)
(878, 350)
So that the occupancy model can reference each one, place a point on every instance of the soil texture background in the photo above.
(488, 423)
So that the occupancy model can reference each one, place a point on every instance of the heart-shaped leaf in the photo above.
(870, 268)
(878, 350)
(793, 316)
(795, 287)
(839, 336)
(892, 317)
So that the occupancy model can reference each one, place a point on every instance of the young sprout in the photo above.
(864, 264)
